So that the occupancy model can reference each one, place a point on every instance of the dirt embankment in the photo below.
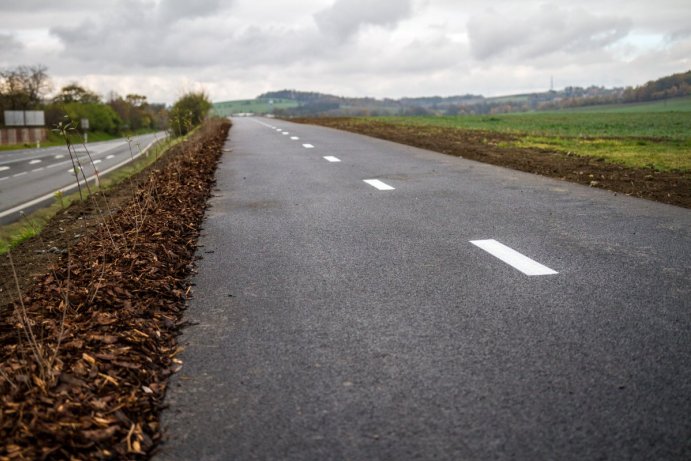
(491, 147)
(86, 353)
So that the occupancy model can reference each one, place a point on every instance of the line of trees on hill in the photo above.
(311, 103)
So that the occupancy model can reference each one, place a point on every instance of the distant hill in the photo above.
(303, 103)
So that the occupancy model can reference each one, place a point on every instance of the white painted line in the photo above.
(331, 158)
(96, 162)
(34, 162)
(294, 138)
(37, 169)
(54, 165)
(6, 177)
(3, 168)
(73, 170)
(513, 258)
(58, 157)
(308, 146)
(378, 184)
(110, 156)
(19, 174)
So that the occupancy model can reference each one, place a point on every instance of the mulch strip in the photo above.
(86, 352)
(490, 147)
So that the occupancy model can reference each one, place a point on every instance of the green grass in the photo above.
(256, 106)
(682, 104)
(658, 139)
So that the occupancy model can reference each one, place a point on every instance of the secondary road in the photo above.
(29, 177)
(359, 299)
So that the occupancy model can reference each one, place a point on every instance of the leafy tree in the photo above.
(189, 111)
(75, 93)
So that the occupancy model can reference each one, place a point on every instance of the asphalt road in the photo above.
(335, 320)
(29, 177)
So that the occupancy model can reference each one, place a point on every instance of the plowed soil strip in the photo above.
(86, 354)
(491, 147)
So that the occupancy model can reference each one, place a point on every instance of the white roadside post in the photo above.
(85, 129)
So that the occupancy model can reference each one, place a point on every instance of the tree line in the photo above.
(27, 88)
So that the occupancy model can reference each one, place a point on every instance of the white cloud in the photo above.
(550, 29)
(345, 17)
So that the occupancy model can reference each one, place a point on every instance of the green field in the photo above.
(255, 106)
(627, 135)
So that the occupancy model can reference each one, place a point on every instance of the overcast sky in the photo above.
(237, 49)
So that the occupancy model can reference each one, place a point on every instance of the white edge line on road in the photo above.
(308, 146)
(331, 158)
(513, 258)
(378, 184)
(74, 186)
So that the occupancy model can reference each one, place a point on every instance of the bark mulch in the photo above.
(671, 187)
(86, 353)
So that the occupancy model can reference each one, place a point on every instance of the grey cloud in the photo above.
(9, 46)
(551, 29)
(175, 10)
(345, 17)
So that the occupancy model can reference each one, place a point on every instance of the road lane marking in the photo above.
(34, 162)
(294, 138)
(3, 168)
(54, 165)
(513, 258)
(37, 169)
(378, 184)
(19, 174)
(51, 195)
(58, 157)
(331, 158)
(96, 162)
(3, 178)
(110, 156)
(308, 146)
(285, 133)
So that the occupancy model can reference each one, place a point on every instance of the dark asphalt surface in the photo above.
(337, 321)
(29, 174)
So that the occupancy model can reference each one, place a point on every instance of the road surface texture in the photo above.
(335, 318)
(29, 177)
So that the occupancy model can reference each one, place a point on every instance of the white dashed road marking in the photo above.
(285, 133)
(513, 258)
(294, 138)
(19, 174)
(378, 184)
(96, 162)
(308, 146)
(331, 158)
(58, 157)
(37, 169)
(110, 156)
(3, 168)
(34, 162)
